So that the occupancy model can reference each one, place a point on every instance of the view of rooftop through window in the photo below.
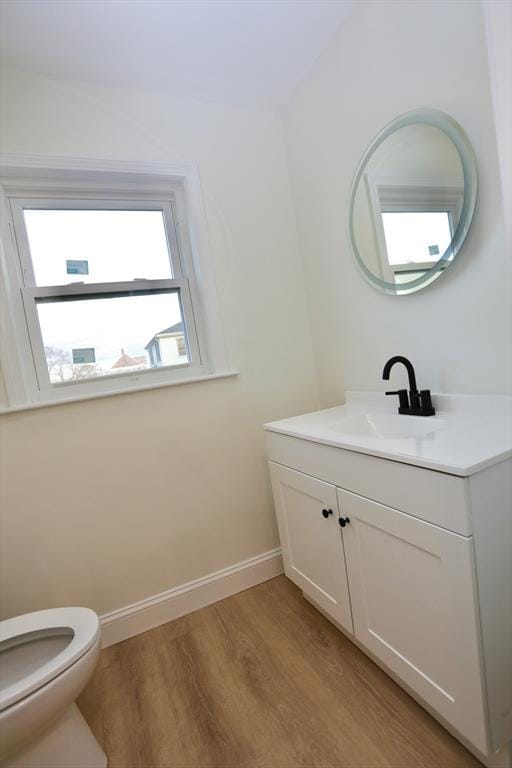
(121, 332)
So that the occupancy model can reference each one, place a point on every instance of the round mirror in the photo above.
(412, 200)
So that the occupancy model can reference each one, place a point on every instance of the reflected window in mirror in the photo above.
(415, 240)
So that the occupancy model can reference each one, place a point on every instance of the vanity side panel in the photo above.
(436, 497)
(490, 502)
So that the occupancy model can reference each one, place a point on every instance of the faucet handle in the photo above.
(402, 397)
(415, 399)
(426, 402)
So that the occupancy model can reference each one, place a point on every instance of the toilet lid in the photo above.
(81, 625)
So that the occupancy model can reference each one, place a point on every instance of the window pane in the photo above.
(86, 337)
(416, 236)
(97, 246)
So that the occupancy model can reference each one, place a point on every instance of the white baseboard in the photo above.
(149, 613)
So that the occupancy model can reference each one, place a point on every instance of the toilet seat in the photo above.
(82, 622)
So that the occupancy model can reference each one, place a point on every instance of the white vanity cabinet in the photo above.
(418, 573)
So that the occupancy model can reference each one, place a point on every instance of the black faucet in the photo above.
(415, 403)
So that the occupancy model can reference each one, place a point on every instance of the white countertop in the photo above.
(467, 434)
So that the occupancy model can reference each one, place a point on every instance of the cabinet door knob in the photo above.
(326, 513)
(343, 521)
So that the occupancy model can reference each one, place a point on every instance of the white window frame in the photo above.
(387, 193)
(42, 182)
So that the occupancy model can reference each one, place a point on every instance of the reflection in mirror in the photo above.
(406, 207)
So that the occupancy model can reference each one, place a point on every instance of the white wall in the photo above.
(110, 501)
(498, 25)
(391, 57)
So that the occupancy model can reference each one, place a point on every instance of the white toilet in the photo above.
(46, 658)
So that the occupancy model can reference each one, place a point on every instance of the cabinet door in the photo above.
(312, 544)
(412, 587)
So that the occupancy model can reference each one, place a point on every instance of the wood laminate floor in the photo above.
(259, 680)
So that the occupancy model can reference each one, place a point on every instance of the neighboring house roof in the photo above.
(127, 361)
(171, 331)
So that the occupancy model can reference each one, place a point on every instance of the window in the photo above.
(415, 241)
(180, 341)
(87, 355)
(102, 285)
(416, 237)
(414, 220)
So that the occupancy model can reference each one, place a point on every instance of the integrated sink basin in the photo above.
(387, 426)
(467, 434)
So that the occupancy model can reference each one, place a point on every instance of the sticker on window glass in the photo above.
(76, 267)
(433, 250)
(84, 355)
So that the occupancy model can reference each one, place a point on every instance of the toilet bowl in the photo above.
(46, 659)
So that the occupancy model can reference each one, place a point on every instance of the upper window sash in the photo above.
(78, 203)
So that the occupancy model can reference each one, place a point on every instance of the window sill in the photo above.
(121, 391)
